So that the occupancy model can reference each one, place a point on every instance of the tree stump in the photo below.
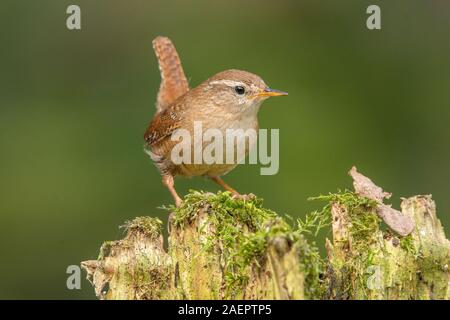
(224, 248)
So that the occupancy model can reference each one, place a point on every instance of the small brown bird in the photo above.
(228, 100)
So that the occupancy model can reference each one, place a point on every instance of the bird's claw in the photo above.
(178, 203)
(245, 197)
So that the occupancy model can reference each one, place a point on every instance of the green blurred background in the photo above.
(75, 104)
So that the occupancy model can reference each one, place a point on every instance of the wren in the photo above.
(228, 100)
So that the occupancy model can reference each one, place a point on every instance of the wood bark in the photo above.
(224, 248)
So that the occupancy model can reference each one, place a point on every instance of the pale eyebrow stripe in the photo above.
(227, 82)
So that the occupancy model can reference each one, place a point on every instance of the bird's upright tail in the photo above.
(173, 80)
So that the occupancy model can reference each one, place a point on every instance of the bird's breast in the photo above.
(223, 144)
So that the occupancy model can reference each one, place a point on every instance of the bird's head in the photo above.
(238, 90)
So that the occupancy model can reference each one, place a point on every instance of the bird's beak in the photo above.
(267, 92)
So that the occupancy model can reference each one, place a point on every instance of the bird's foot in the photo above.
(178, 202)
(245, 197)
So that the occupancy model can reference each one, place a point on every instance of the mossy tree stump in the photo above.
(224, 248)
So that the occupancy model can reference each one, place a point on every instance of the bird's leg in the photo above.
(167, 180)
(224, 185)
(234, 193)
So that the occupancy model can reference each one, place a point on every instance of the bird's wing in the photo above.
(173, 80)
(163, 124)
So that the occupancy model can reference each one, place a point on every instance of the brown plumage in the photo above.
(228, 100)
(173, 80)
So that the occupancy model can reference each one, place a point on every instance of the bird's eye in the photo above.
(240, 90)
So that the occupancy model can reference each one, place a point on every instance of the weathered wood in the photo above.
(224, 248)
(218, 248)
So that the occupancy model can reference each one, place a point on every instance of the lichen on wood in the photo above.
(220, 247)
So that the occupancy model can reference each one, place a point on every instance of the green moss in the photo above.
(249, 250)
(363, 230)
(149, 226)
(149, 281)
(314, 222)
(364, 227)
(407, 244)
(105, 249)
(248, 212)
(364, 220)
(244, 229)
(346, 198)
(240, 226)
(350, 269)
(313, 267)
(312, 264)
